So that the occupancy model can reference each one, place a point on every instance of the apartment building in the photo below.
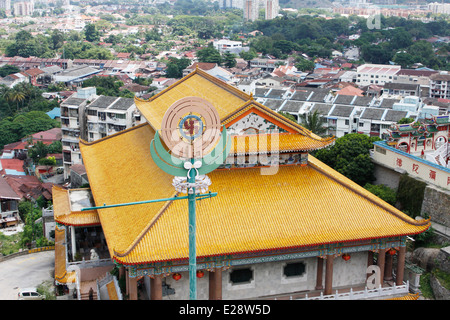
(90, 117)
(378, 74)
(440, 85)
(108, 115)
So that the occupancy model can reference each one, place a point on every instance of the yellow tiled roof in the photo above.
(64, 214)
(283, 142)
(296, 207)
(409, 296)
(224, 98)
(61, 274)
(120, 170)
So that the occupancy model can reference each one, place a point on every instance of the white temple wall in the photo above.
(268, 279)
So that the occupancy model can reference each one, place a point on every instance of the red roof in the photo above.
(29, 187)
(6, 192)
(11, 164)
(49, 135)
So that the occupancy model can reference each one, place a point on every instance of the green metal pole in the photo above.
(192, 240)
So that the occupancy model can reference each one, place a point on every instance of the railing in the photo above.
(363, 294)
(91, 263)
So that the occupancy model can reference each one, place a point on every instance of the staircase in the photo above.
(438, 157)
(85, 286)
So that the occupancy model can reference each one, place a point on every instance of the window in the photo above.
(295, 269)
(347, 122)
(92, 112)
(361, 124)
(240, 276)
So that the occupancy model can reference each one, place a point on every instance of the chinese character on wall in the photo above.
(432, 175)
(399, 162)
(415, 168)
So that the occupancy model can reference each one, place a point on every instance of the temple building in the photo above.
(283, 223)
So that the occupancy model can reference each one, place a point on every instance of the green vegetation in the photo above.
(383, 192)
(314, 122)
(410, 195)
(350, 157)
(32, 232)
(108, 86)
(47, 289)
(9, 244)
(14, 129)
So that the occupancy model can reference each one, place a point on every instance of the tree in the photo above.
(176, 66)
(288, 115)
(57, 38)
(15, 96)
(405, 120)
(350, 156)
(304, 64)
(229, 60)
(209, 54)
(314, 122)
(38, 151)
(91, 33)
(8, 69)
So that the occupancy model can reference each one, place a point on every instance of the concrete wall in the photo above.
(386, 176)
(436, 203)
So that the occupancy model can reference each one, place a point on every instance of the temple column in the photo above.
(388, 268)
(380, 262)
(329, 275)
(400, 265)
(156, 287)
(132, 288)
(215, 284)
(319, 276)
(74, 244)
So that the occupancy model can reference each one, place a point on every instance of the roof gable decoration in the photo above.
(254, 123)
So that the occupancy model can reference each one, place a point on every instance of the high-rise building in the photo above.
(251, 9)
(272, 8)
(6, 6)
(24, 8)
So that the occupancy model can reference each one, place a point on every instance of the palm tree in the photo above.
(16, 96)
(314, 122)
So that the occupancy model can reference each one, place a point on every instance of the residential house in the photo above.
(401, 89)
(14, 79)
(33, 75)
(9, 205)
(76, 75)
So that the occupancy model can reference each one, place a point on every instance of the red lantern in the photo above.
(200, 274)
(346, 256)
(391, 251)
(176, 276)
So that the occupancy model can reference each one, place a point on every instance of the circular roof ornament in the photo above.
(190, 128)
